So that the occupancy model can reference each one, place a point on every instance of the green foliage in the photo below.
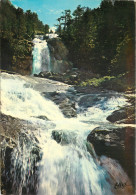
(102, 39)
(96, 81)
(17, 30)
(117, 83)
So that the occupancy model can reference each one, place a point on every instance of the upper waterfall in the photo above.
(41, 55)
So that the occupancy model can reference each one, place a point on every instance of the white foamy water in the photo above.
(41, 56)
(52, 35)
(23, 102)
(103, 108)
(42, 166)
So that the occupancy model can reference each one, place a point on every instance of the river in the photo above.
(52, 157)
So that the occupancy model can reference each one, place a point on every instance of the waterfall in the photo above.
(41, 55)
(40, 164)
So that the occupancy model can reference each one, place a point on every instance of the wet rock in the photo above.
(11, 131)
(45, 74)
(60, 137)
(91, 150)
(117, 116)
(43, 118)
(117, 143)
(129, 120)
(88, 100)
(5, 170)
(67, 108)
(64, 137)
(65, 102)
(10, 127)
(36, 75)
(57, 136)
(123, 115)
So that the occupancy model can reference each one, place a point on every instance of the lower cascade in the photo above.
(41, 56)
(52, 157)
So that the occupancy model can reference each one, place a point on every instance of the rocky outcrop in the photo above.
(10, 127)
(124, 115)
(66, 103)
(71, 77)
(59, 56)
(12, 130)
(117, 143)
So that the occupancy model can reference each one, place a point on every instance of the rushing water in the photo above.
(40, 165)
(52, 156)
(41, 56)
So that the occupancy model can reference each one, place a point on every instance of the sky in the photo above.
(49, 10)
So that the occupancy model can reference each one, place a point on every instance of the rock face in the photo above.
(59, 56)
(116, 143)
(9, 129)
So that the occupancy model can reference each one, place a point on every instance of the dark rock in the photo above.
(68, 108)
(64, 137)
(11, 130)
(124, 115)
(45, 74)
(88, 100)
(10, 127)
(117, 143)
(117, 115)
(36, 75)
(115, 84)
(65, 103)
(130, 120)
(59, 56)
(43, 118)
(60, 137)
(57, 47)
(5, 171)
(57, 136)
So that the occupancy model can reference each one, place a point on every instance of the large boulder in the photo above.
(117, 143)
(124, 115)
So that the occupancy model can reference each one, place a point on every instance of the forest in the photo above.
(102, 39)
(17, 31)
